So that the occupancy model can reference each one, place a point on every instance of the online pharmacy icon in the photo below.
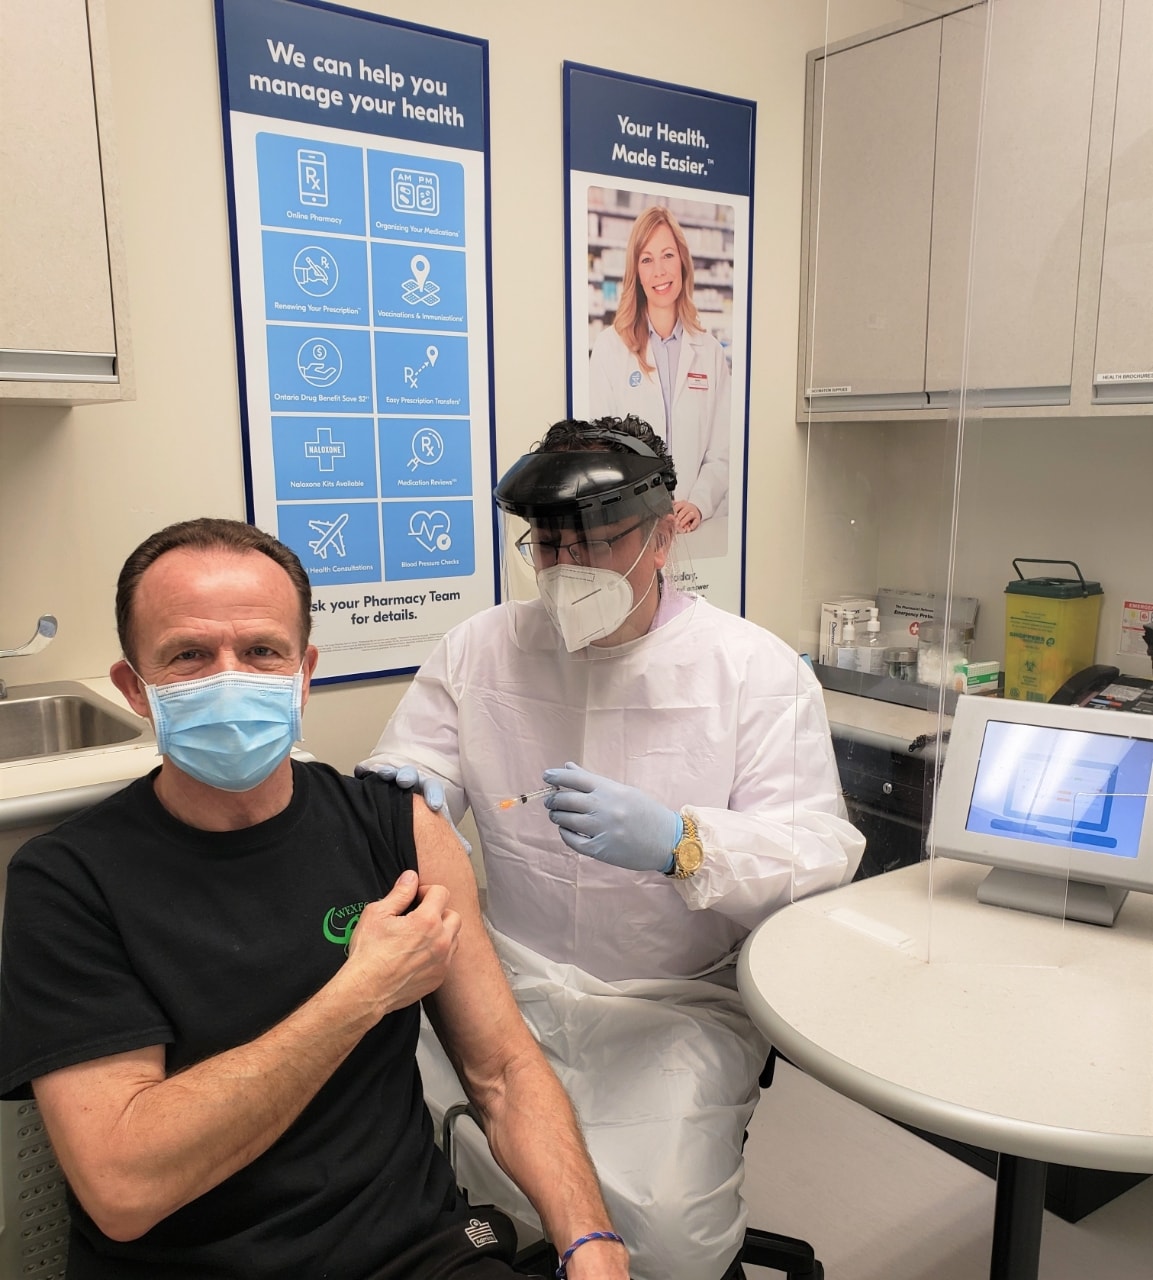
(415, 192)
(315, 271)
(312, 177)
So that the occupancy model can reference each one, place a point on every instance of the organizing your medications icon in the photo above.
(419, 288)
(319, 362)
(414, 191)
(412, 375)
(315, 271)
(427, 448)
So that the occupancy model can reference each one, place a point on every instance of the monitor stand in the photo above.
(1052, 896)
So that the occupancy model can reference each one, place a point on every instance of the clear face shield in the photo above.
(589, 532)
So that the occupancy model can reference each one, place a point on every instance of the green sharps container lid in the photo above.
(1055, 588)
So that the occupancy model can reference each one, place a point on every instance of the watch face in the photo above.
(690, 855)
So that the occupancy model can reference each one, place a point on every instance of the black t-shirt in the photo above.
(125, 928)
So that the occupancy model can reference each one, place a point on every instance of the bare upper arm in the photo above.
(473, 1010)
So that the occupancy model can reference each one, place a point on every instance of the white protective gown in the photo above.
(700, 434)
(626, 977)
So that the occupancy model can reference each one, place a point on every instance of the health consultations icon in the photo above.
(319, 362)
(431, 530)
(331, 536)
(427, 448)
(315, 271)
(411, 375)
(420, 288)
(415, 192)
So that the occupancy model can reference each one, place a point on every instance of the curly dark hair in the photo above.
(572, 435)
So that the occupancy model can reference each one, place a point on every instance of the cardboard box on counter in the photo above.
(901, 612)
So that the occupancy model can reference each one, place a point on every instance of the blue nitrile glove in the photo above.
(609, 821)
(409, 777)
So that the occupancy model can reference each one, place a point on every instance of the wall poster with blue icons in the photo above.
(357, 154)
(659, 187)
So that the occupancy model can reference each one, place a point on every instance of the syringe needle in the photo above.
(524, 798)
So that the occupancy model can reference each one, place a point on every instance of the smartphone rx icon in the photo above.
(312, 176)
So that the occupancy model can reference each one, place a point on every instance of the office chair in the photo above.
(760, 1249)
(34, 1217)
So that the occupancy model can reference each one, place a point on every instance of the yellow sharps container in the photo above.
(1050, 631)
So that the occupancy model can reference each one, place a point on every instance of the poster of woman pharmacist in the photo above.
(658, 348)
(658, 263)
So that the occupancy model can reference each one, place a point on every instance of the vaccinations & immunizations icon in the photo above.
(312, 177)
(415, 192)
(315, 271)
(412, 376)
(420, 288)
(427, 448)
(319, 362)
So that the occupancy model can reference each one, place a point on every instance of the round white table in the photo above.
(1025, 1035)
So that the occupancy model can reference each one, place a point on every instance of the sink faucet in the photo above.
(45, 630)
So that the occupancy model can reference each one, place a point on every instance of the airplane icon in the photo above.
(331, 535)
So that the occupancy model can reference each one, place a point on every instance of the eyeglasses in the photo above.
(596, 552)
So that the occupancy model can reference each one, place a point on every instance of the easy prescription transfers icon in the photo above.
(331, 536)
(414, 191)
(315, 271)
(319, 362)
(412, 376)
(419, 288)
(427, 448)
(431, 529)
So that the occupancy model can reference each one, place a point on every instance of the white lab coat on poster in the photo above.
(625, 977)
(699, 437)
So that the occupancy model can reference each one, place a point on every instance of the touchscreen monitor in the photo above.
(1049, 791)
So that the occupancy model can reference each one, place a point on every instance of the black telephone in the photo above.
(1083, 684)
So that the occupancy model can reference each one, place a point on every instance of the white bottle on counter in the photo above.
(847, 643)
(870, 651)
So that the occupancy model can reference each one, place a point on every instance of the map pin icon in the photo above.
(432, 353)
(420, 269)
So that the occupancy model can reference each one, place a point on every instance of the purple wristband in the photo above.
(562, 1270)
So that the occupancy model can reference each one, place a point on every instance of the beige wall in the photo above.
(79, 488)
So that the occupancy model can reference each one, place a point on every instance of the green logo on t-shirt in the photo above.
(339, 923)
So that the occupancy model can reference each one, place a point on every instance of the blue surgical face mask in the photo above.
(228, 730)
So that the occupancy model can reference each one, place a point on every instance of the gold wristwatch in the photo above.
(689, 854)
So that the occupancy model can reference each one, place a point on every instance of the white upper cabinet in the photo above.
(955, 213)
(1123, 361)
(63, 335)
(1010, 181)
(870, 215)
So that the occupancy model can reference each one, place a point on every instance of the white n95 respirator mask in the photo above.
(585, 603)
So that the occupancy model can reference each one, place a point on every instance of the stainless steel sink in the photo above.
(62, 718)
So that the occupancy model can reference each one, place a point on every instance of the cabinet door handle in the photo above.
(887, 788)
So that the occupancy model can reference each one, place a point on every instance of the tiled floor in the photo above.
(878, 1203)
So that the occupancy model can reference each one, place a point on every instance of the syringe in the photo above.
(513, 801)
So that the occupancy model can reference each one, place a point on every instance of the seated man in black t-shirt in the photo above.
(212, 981)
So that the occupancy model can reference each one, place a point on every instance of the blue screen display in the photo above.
(1061, 787)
